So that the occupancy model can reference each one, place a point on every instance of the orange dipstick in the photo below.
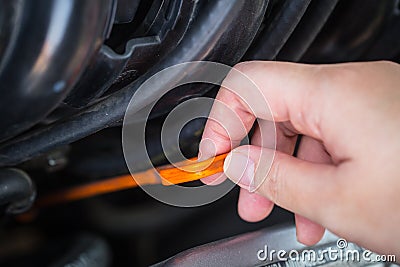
(188, 170)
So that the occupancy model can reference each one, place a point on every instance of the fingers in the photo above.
(309, 232)
(313, 150)
(266, 90)
(302, 187)
(224, 130)
(228, 123)
(253, 207)
(249, 91)
(283, 92)
(271, 91)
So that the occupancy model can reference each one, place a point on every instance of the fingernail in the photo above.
(206, 149)
(240, 169)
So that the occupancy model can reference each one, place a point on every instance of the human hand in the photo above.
(346, 176)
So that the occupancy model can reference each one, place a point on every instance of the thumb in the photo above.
(300, 186)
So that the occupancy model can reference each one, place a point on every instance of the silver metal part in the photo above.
(275, 247)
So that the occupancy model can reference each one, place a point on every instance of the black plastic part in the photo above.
(49, 46)
(307, 30)
(8, 18)
(126, 10)
(160, 34)
(387, 45)
(169, 21)
(222, 32)
(102, 71)
(17, 191)
(346, 38)
(277, 30)
(86, 251)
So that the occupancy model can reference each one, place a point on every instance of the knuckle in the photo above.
(326, 76)
(341, 77)
(388, 63)
(218, 131)
(273, 182)
(255, 67)
(244, 66)
(318, 92)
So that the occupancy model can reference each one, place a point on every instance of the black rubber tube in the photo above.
(278, 31)
(345, 39)
(45, 58)
(16, 191)
(207, 39)
(314, 19)
(86, 250)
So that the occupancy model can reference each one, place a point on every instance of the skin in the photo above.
(346, 176)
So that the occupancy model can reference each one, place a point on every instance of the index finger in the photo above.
(231, 116)
(275, 91)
